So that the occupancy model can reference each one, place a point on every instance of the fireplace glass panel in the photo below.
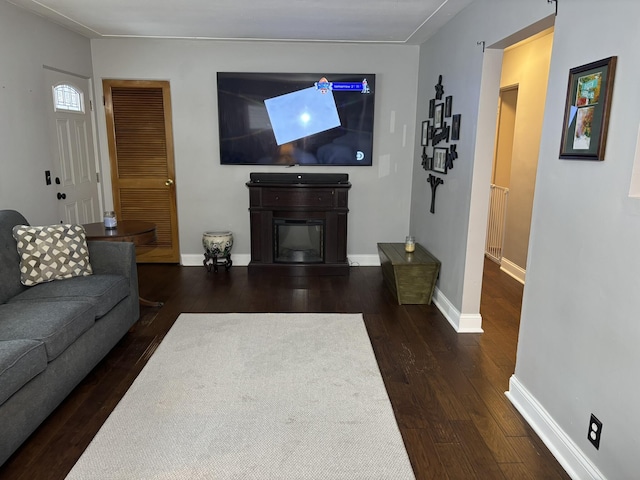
(298, 241)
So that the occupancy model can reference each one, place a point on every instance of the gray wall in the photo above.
(577, 350)
(28, 42)
(211, 196)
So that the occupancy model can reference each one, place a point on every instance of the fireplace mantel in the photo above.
(297, 198)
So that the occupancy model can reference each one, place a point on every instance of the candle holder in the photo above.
(110, 221)
(409, 244)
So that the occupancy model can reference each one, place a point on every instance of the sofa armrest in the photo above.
(112, 257)
(116, 258)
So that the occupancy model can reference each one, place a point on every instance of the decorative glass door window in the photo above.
(68, 98)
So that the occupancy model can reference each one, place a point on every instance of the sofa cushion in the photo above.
(51, 252)
(20, 361)
(102, 291)
(56, 324)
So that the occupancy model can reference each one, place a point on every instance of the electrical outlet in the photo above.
(595, 431)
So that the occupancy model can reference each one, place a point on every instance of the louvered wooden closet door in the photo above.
(142, 164)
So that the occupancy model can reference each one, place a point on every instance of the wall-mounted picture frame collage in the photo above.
(437, 132)
(438, 154)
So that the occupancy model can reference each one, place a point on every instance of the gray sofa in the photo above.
(53, 334)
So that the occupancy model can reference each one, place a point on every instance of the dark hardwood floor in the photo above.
(447, 390)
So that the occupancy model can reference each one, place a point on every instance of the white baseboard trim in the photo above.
(364, 260)
(242, 260)
(568, 454)
(513, 270)
(461, 322)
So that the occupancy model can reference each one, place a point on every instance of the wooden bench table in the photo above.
(410, 276)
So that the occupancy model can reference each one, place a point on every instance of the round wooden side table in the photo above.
(138, 232)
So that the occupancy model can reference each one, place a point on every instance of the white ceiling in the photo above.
(379, 21)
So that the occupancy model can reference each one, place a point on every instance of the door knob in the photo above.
(61, 196)
(169, 182)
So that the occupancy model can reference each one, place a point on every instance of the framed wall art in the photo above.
(455, 126)
(448, 106)
(587, 108)
(437, 116)
(440, 160)
(424, 136)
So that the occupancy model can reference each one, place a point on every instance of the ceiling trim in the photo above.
(262, 40)
(443, 13)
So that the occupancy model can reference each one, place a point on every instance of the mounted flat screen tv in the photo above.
(296, 118)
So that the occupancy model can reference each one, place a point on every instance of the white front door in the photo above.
(74, 161)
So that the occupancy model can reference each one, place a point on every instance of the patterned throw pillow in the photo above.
(51, 253)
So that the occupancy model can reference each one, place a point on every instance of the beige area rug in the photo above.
(254, 396)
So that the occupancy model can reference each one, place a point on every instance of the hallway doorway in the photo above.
(523, 88)
(501, 173)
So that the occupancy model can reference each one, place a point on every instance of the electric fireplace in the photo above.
(299, 223)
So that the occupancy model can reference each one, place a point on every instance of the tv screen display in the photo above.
(296, 118)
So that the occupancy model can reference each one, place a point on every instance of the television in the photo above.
(296, 118)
